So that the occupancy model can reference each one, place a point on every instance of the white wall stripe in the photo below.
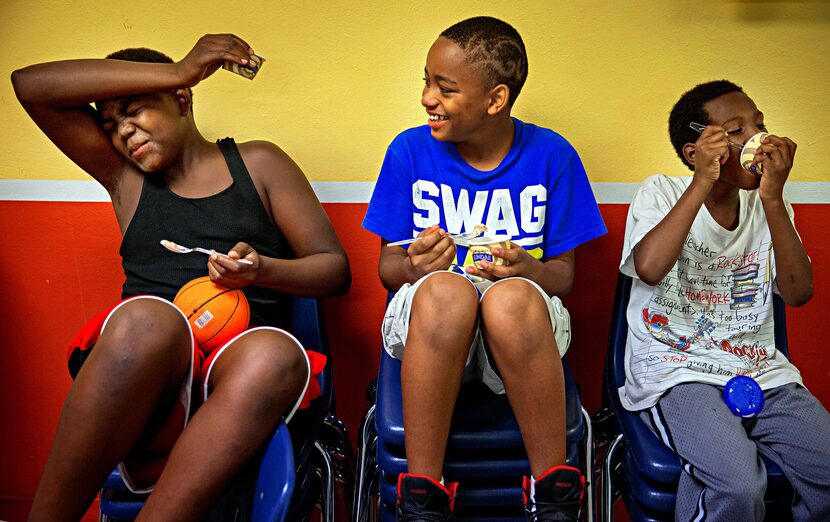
(342, 191)
(52, 190)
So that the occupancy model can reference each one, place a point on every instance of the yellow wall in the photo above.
(343, 77)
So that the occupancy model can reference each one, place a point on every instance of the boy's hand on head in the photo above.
(775, 158)
(433, 252)
(227, 271)
(711, 151)
(209, 54)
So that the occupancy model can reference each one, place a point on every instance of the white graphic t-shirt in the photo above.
(711, 317)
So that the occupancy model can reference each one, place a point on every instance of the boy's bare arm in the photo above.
(321, 267)
(57, 96)
(431, 253)
(70, 124)
(794, 273)
(557, 275)
(656, 253)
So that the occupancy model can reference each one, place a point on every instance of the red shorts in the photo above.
(143, 466)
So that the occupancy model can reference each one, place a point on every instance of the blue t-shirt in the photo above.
(539, 194)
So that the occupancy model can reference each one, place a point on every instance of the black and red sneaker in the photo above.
(556, 495)
(424, 499)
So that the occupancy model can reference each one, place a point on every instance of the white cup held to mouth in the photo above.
(748, 153)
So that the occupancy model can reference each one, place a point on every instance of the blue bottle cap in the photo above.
(743, 396)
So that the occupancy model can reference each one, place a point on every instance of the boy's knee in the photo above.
(514, 307)
(272, 370)
(750, 489)
(516, 299)
(447, 295)
(145, 333)
(744, 481)
(735, 492)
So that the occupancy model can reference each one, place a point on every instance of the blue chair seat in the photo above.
(465, 465)
(485, 451)
(481, 419)
(649, 472)
(117, 502)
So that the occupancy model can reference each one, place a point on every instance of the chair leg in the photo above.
(607, 474)
(364, 458)
(338, 445)
(328, 484)
(589, 465)
(371, 497)
(338, 435)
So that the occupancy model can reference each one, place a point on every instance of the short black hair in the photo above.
(143, 54)
(689, 108)
(140, 54)
(495, 48)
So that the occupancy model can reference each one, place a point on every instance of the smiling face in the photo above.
(741, 119)
(454, 96)
(146, 129)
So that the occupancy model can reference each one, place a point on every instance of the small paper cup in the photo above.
(246, 72)
(481, 249)
(748, 152)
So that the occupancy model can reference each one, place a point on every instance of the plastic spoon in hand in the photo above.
(179, 249)
(477, 231)
(699, 127)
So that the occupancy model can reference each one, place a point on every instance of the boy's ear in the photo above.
(183, 100)
(499, 99)
(689, 153)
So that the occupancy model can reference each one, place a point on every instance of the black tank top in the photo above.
(215, 222)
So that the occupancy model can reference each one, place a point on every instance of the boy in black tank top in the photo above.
(167, 181)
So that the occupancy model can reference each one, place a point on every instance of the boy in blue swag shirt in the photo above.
(475, 164)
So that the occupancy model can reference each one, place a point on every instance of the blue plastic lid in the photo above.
(743, 396)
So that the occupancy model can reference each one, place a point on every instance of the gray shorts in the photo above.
(396, 325)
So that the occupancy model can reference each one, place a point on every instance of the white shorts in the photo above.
(396, 326)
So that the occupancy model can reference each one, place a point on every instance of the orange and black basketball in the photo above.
(216, 313)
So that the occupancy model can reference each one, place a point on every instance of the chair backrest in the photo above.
(615, 359)
(307, 323)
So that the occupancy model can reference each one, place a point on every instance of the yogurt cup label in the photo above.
(748, 153)
(481, 249)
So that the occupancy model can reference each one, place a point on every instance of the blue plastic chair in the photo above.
(301, 465)
(485, 452)
(636, 464)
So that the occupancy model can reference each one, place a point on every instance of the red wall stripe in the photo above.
(60, 266)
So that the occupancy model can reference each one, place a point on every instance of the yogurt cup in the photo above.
(748, 153)
(481, 249)
(246, 72)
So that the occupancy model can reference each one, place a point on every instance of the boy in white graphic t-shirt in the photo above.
(706, 253)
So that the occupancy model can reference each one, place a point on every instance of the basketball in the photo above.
(216, 314)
